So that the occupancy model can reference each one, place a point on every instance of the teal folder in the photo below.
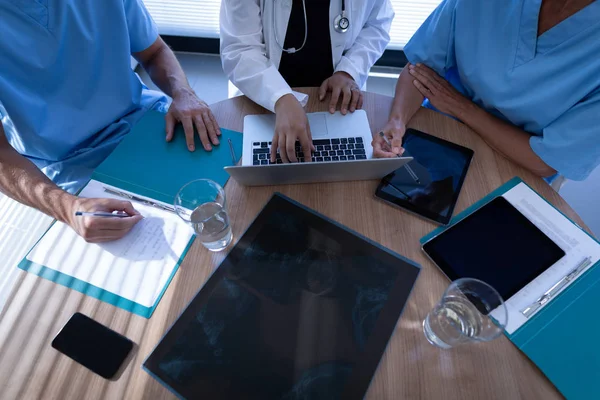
(561, 339)
(145, 164)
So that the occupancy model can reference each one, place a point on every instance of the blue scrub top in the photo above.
(547, 85)
(66, 80)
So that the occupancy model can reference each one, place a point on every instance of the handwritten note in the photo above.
(136, 267)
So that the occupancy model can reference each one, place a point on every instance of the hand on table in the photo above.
(291, 124)
(188, 109)
(102, 229)
(394, 130)
(441, 94)
(342, 84)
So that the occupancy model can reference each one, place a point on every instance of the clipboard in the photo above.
(558, 337)
(146, 165)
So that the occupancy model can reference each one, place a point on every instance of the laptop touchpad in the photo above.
(318, 125)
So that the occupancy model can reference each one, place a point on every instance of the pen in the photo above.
(233, 158)
(550, 293)
(139, 199)
(100, 214)
(406, 166)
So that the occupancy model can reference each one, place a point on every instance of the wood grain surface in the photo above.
(410, 369)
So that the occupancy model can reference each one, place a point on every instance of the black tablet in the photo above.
(496, 244)
(429, 185)
(301, 308)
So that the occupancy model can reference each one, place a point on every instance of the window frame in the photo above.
(390, 58)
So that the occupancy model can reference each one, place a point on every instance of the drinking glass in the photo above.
(469, 311)
(201, 203)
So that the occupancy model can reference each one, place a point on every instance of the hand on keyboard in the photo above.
(340, 149)
(291, 125)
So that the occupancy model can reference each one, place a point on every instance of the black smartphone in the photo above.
(93, 345)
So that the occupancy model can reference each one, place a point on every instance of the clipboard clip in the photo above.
(139, 199)
(556, 288)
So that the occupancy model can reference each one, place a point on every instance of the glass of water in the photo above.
(201, 203)
(470, 311)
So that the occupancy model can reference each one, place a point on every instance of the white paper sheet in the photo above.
(568, 236)
(136, 267)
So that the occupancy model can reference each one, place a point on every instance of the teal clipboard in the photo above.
(560, 338)
(145, 164)
(96, 292)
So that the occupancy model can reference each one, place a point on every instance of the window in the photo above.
(200, 18)
(197, 18)
(410, 14)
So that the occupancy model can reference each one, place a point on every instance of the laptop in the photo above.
(343, 152)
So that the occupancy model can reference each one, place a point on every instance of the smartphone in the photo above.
(93, 345)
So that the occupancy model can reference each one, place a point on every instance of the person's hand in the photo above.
(394, 131)
(342, 84)
(188, 109)
(441, 94)
(291, 124)
(101, 229)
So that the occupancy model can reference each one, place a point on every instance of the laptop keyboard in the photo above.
(340, 149)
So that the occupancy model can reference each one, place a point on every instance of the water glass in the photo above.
(201, 203)
(470, 311)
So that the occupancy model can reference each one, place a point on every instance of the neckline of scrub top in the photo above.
(582, 20)
(529, 44)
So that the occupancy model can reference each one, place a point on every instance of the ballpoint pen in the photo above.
(406, 166)
(550, 293)
(139, 199)
(101, 214)
(233, 158)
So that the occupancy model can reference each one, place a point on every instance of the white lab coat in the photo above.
(251, 56)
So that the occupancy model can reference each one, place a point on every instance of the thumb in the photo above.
(323, 89)
(120, 205)
(128, 208)
(136, 218)
(380, 148)
(397, 143)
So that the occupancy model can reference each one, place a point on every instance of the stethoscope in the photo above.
(341, 24)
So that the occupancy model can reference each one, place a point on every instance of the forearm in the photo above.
(407, 99)
(23, 181)
(507, 139)
(163, 68)
(256, 77)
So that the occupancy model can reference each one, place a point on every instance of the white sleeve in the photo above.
(243, 53)
(370, 43)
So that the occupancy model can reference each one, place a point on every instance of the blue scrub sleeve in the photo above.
(571, 144)
(142, 29)
(433, 43)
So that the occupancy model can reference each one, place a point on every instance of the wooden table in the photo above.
(411, 367)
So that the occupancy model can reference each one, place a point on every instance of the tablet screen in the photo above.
(430, 184)
(496, 244)
(301, 308)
